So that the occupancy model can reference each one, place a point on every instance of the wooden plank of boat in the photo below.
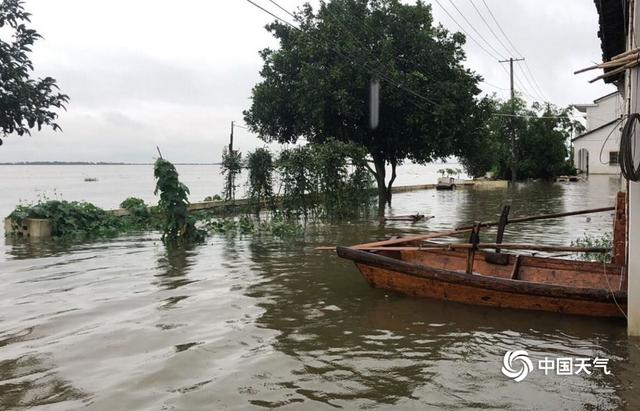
(534, 283)
(506, 246)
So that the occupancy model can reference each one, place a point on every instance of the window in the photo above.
(613, 158)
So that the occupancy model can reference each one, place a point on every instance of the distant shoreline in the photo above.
(86, 163)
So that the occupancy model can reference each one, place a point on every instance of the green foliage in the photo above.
(343, 192)
(320, 92)
(260, 186)
(138, 210)
(299, 180)
(533, 145)
(231, 167)
(178, 225)
(603, 241)
(25, 103)
(328, 180)
(278, 227)
(71, 219)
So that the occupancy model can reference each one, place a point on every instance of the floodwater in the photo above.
(247, 322)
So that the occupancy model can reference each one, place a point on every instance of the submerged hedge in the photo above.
(78, 218)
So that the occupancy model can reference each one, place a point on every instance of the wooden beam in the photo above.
(502, 224)
(465, 246)
(542, 217)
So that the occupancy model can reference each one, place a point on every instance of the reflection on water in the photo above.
(241, 322)
(30, 380)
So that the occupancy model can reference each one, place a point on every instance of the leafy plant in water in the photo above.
(179, 226)
(276, 226)
(231, 167)
(260, 185)
(299, 180)
(603, 241)
(328, 180)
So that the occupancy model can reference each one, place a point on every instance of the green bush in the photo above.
(70, 218)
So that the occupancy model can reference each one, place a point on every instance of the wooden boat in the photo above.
(467, 273)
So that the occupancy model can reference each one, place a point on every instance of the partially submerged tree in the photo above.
(316, 86)
(25, 103)
(231, 168)
(531, 142)
(260, 164)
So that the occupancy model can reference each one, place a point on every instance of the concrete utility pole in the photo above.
(513, 134)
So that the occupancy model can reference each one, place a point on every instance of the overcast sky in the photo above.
(142, 73)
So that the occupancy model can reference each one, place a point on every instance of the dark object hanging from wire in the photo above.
(627, 161)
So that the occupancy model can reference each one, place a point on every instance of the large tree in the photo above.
(316, 85)
(530, 141)
(25, 102)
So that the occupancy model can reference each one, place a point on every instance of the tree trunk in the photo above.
(393, 178)
(380, 176)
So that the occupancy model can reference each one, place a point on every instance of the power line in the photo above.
(273, 15)
(489, 27)
(526, 88)
(476, 30)
(493, 56)
(486, 23)
(500, 28)
(283, 9)
(517, 52)
(527, 115)
(530, 83)
(494, 86)
(535, 82)
(365, 64)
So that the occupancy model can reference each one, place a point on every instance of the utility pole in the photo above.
(510, 61)
(231, 138)
(513, 134)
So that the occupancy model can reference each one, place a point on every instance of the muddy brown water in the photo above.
(255, 322)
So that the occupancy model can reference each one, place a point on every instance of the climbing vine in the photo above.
(178, 225)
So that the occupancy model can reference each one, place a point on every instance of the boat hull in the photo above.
(421, 280)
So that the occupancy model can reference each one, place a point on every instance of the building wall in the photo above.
(593, 144)
(604, 110)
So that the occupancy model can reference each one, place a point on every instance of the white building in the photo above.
(596, 150)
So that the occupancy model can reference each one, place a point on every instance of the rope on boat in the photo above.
(606, 277)
(613, 294)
